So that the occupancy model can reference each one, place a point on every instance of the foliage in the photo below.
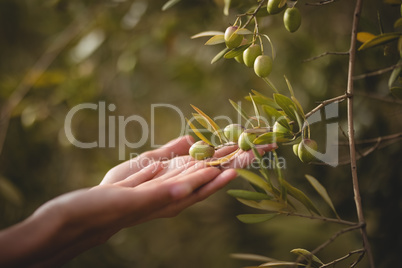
(141, 55)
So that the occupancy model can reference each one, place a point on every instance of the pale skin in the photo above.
(157, 184)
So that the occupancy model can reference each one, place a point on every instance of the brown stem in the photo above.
(326, 102)
(326, 54)
(378, 72)
(352, 149)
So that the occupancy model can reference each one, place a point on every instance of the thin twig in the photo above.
(361, 251)
(326, 54)
(326, 102)
(321, 3)
(312, 217)
(378, 72)
(376, 140)
(352, 149)
(252, 15)
(335, 236)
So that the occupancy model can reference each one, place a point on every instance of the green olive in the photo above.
(280, 129)
(232, 39)
(250, 54)
(296, 149)
(201, 150)
(306, 150)
(263, 65)
(273, 6)
(246, 140)
(292, 19)
(232, 132)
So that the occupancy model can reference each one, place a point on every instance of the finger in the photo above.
(142, 176)
(179, 146)
(202, 193)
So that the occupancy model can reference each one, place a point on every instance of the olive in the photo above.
(304, 153)
(280, 129)
(296, 149)
(273, 7)
(292, 19)
(246, 140)
(263, 65)
(250, 54)
(232, 132)
(232, 39)
(201, 150)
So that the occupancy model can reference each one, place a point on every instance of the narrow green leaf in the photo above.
(198, 133)
(215, 127)
(244, 31)
(219, 55)
(398, 23)
(169, 4)
(248, 195)
(270, 205)
(272, 137)
(207, 33)
(308, 256)
(286, 105)
(200, 119)
(380, 40)
(214, 40)
(256, 111)
(226, 7)
(275, 115)
(281, 263)
(236, 51)
(251, 257)
(240, 110)
(395, 74)
(272, 46)
(322, 191)
(254, 179)
(255, 218)
(301, 197)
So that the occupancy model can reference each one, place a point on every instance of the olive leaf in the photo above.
(214, 40)
(272, 137)
(240, 110)
(301, 197)
(254, 179)
(256, 111)
(281, 263)
(248, 195)
(313, 260)
(255, 218)
(364, 36)
(207, 33)
(380, 40)
(251, 257)
(198, 133)
(395, 74)
(214, 126)
(219, 55)
(322, 191)
(236, 51)
(267, 205)
(276, 116)
(226, 7)
(398, 23)
(287, 105)
(169, 4)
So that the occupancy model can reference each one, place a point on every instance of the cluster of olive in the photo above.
(252, 56)
(291, 17)
(234, 133)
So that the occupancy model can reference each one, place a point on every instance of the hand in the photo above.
(158, 183)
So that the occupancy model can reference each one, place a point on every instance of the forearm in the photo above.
(32, 240)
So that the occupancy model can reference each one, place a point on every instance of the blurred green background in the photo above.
(132, 54)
